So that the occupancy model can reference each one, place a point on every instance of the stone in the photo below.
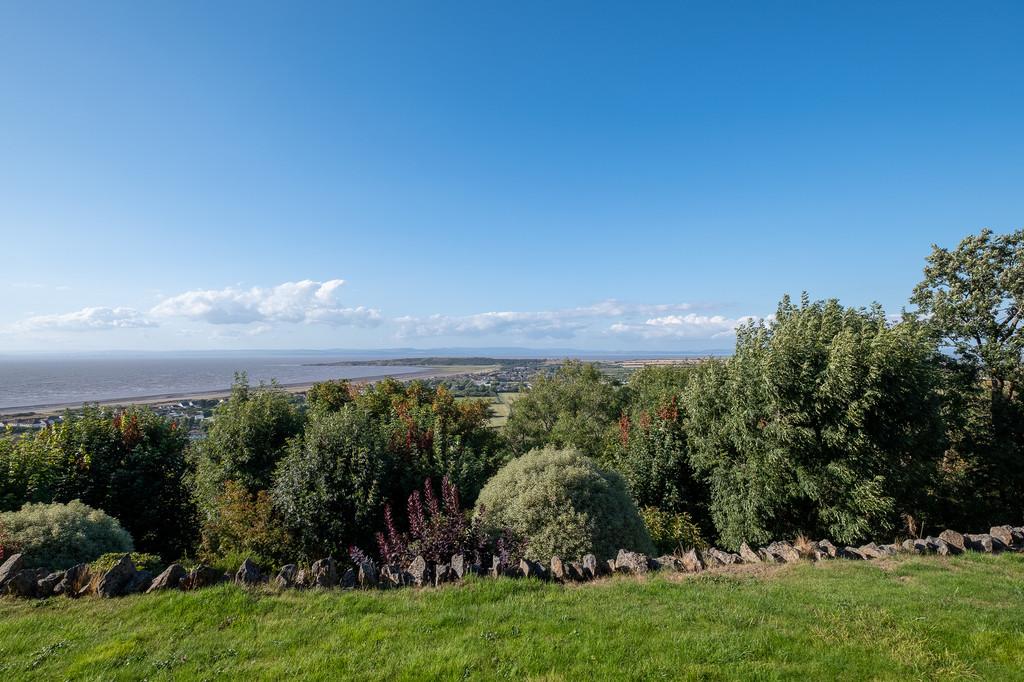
(201, 576)
(871, 551)
(669, 562)
(954, 540)
(937, 545)
(574, 570)
(692, 562)
(420, 572)
(783, 551)
(21, 584)
(459, 566)
(724, 558)
(75, 578)
(140, 582)
(170, 579)
(286, 576)
(921, 546)
(368, 576)
(889, 549)
(852, 553)
(1018, 535)
(46, 585)
(116, 581)
(392, 575)
(591, 569)
(558, 569)
(748, 555)
(828, 548)
(349, 578)
(608, 567)
(980, 542)
(631, 562)
(766, 557)
(324, 573)
(443, 574)
(11, 566)
(910, 546)
(248, 574)
(1004, 534)
(531, 569)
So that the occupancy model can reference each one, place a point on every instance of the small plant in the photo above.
(805, 546)
(142, 561)
(672, 532)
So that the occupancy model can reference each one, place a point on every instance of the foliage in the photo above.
(244, 523)
(129, 462)
(973, 297)
(577, 407)
(671, 532)
(826, 422)
(562, 503)
(651, 449)
(144, 562)
(247, 438)
(7, 546)
(329, 396)
(59, 535)
(332, 484)
(438, 529)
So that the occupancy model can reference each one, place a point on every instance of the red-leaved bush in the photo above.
(440, 528)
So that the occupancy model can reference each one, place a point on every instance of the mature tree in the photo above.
(826, 421)
(247, 438)
(578, 407)
(329, 396)
(333, 483)
(651, 450)
(973, 297)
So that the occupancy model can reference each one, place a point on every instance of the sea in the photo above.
(33, 381)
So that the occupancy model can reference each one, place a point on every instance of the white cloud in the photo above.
(554, 324)
(307, 301)
(86, 319)
(690, 325)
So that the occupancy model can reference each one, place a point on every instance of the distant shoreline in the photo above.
(49, 410)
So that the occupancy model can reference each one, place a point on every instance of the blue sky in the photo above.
(598, 176)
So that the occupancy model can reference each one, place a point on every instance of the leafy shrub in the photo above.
(244, 524)
(332, 485)
(7, 546)
(61, 535)
(670, 531)
(142, 561)
(564, 504)
(128, 462)
(437, 528)
(578, 408)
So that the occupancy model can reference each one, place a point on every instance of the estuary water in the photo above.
(39, 381)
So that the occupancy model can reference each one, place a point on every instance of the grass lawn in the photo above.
(912, 618)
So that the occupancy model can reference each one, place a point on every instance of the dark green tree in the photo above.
(827, 421)
(578, 407)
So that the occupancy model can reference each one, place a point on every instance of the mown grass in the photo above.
(913, 618)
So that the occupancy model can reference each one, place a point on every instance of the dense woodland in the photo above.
(829, 421)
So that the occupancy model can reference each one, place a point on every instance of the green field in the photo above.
(911, 618)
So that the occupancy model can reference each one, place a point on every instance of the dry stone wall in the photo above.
(124, 578)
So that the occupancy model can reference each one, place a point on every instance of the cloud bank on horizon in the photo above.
(247, 312)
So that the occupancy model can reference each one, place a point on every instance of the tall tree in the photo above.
(826, 421)
(973, 297)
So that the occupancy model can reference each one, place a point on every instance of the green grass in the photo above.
(913, 618)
